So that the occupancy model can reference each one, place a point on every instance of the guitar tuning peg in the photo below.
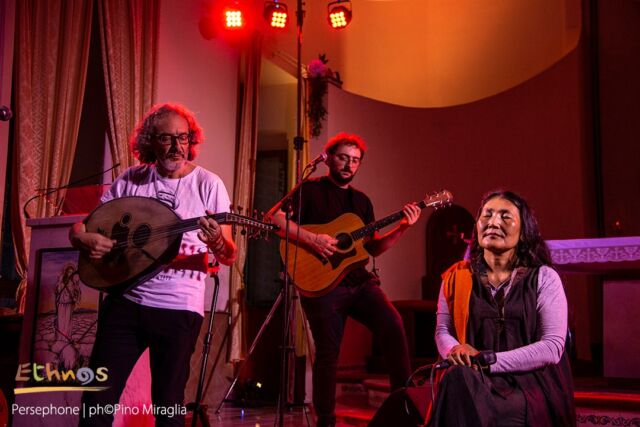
(231, 208)
(240, 209)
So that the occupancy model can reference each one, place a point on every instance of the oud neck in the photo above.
(192, 223)
(222, 218)
(382, 223)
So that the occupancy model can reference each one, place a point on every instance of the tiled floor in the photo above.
(258, 417)
(352, 412)
(267, 416)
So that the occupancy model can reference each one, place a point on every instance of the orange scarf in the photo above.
(457, 282)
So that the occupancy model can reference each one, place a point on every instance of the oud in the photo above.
(148, 236)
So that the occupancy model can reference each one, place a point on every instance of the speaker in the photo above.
(406, 407)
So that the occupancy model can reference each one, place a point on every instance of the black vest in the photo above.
(548, 390)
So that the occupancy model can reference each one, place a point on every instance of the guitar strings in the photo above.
(163, 231)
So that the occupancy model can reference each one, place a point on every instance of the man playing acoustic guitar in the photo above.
(165, 311)
(358, 293)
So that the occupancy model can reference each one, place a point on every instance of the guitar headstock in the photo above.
(438, 199)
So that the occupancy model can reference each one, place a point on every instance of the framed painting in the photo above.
(66, 313)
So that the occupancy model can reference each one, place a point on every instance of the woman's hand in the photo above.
(461, 355)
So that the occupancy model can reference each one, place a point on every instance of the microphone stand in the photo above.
(284, 294)
(298, 142)
(199, 411)
(287, 206)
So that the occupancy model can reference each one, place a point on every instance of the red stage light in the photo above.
(339, 13)
(234, 17)
(275, 13)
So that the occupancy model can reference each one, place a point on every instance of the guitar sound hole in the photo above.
(125, 219)
(344, 241)
(141, 235)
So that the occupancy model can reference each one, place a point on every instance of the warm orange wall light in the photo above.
(444, 52)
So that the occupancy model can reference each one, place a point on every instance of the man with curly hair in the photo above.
(165, 312)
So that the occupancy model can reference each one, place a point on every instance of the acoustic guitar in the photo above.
(148, 236)
(314, 275)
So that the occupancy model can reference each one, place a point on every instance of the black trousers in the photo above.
(327, 315)
(125, 330)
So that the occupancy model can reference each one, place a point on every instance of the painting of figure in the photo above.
(67, 313)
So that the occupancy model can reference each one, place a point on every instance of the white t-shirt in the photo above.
(180, 286)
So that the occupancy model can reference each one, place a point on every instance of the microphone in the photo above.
(482, 359)
(5, 113)
(313, 163)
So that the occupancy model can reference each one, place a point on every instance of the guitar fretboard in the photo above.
(380, 224)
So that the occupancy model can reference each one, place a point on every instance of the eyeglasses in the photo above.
(346, 158)
(166, 139)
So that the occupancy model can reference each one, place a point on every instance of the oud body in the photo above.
(131, 222)
(148, 235)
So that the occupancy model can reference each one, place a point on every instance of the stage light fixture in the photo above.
(275, 13)
(234, 17)
(339, 13)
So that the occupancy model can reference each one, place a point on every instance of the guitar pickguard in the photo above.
(338, 257)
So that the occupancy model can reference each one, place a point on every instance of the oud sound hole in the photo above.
(125, 219)
(141, 235)
(344, 241)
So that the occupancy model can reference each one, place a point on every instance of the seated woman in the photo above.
(506, 299)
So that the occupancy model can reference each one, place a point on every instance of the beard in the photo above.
(172, 161)
(339, 179)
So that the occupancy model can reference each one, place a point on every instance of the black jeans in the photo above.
(125, 330)
(327, 315)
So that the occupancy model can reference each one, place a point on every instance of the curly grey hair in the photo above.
(141, 140)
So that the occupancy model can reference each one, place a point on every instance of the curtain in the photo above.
(244, 186)
(129, 40)
(52, 51)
